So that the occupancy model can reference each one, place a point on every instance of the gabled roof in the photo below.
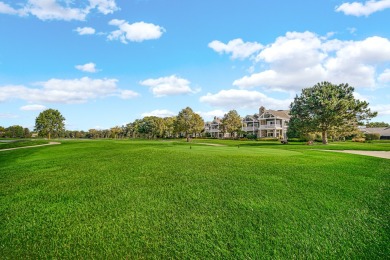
(249, 118)
(284, 114)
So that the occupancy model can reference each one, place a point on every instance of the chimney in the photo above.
(261, 110)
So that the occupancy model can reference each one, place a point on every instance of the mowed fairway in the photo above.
(155, 199)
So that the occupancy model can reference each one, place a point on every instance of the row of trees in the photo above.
(15, 131)
(377, 124)
(326, 109)
(50, 123)
(186, 123)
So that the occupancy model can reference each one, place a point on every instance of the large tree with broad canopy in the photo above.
(327, 108)
(50, 123)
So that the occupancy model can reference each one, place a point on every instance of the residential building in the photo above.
(273, 123)
(267, 123)
(384, 132)
(213, 128)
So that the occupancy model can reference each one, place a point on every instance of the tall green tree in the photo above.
(169, 123)
(188, 122)
(50, 123)
(326, 107)
(115, 132)
(2, 131)
(147, 127)
(198, 126)
(26, 133)
(231, 123)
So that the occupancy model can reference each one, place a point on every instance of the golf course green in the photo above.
(126, 199)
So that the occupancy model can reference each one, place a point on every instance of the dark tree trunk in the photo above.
(324, 137)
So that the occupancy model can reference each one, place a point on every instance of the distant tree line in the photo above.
(324, 109)
(377, 124)
(15, 131)
(51, 124)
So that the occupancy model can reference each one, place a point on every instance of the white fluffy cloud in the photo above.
(10, 92)
(85, 30)
(239, 98)
(359, 9)
(299, 60)
(33, 108)
(104, 6)
(381, 109)
(168, 86)
(159, 113)
(89, 67)
(52, 10)
(293, 50)
(128, 94)
(66, 91)
(385, 76)
(237, 47)
(56, 10)
(361, 97)
(7, 9)
(136, 32)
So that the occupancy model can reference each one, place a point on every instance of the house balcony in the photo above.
(267, 127)
(249, 128)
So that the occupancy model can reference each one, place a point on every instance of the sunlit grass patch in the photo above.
(155, 199)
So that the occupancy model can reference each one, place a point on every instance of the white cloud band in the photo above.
(66, 91)
(54, 10)
(299, 60)
(236, 98)
(85, 30)
(89, 67)
(136, 32)
(237, 47)
(168, 86)
(359, 9)
(33, 108)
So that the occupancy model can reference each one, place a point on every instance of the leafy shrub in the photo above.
(308, 137)
(372, 136)
(251, 136)
(358, 139)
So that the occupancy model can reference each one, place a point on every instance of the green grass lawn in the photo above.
(169, 199)
(10, 143)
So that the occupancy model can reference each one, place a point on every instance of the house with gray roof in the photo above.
(383, 131)
(266, 123)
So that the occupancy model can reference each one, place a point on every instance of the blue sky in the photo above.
(103, 63)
